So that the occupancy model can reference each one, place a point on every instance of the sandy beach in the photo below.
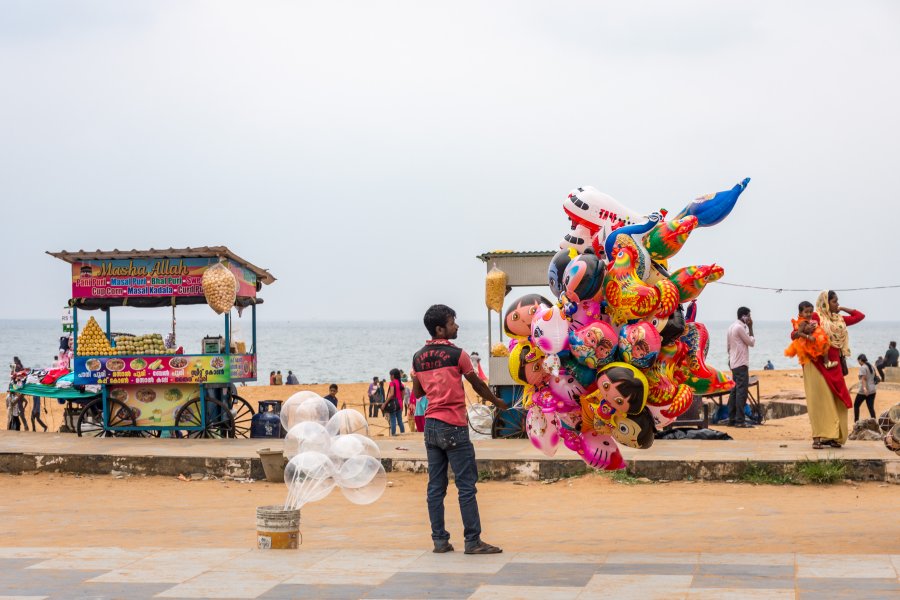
(772, 384)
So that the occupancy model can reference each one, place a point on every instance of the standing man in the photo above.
(438, 371)
(740, 340)
(376, 397)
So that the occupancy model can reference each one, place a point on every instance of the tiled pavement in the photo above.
(58, 573)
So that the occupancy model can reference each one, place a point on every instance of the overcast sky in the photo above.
(366, 152)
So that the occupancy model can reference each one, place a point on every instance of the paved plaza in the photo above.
(101, 573)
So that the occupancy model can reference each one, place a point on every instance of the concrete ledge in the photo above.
(671, 460)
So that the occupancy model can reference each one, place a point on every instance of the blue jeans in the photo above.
(396, 418)
(449, 445)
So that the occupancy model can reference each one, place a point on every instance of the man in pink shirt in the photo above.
(740, 340)
(438, 371)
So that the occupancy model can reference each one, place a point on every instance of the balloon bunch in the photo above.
(614, 359)
(328, 448)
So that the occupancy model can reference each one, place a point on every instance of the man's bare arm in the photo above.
(484, 391)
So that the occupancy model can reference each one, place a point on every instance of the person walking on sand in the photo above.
(866, 391)
(393, 405)
(739, 341)
(36, 413)
(409, 408)
(439, 367)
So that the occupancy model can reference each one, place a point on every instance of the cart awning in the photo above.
(51, 391)
(153, 302)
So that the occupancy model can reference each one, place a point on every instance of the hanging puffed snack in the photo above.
(219, 288)
(495, 289)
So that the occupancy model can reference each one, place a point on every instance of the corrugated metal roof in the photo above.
(201, 252)
(514, 253)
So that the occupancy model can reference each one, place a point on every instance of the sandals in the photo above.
(818, 445)
(483, 548)
(832, 443)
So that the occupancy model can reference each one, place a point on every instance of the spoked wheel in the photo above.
(509, 424)
(219, 420)
(90, 420)
(242, 413)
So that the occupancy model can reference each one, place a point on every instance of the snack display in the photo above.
(151, 343)
(495, 289)
(219, 288)
(92, 341)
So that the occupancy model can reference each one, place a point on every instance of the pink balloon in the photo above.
(566, 392)
(550, 330)
(543, 430)
(597, 450)
(658, 419)
(586, 312)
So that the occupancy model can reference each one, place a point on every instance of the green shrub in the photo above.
(825, 471)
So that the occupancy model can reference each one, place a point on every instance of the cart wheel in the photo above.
(90, 419)
(243, 416)
(219, 421)
(509, 424)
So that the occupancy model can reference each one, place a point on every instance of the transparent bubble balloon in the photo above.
(347, 446)
(357, 471)
(305, 437)
(370, 492)
(309, 476)
(287, 409)
(347, 421)
(316, 409)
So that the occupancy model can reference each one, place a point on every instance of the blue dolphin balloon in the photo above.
(636, 229)
(712, 209)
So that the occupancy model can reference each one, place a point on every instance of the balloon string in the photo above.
(779, 290)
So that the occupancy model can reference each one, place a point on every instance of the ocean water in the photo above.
(321, 352)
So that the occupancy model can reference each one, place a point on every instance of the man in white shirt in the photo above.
(739, 339)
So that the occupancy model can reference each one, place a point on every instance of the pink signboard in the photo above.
(152, 277)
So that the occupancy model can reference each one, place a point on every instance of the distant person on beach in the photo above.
(476, 361)
(393, 404)
(769, 366)
(272, 378)
(278, 378)
(891, 355)
(36, 413)
(439, 368)
(376, 397)
(332, 392)
(292, 379)
(866, 391)
(879, 366)
(409, 408)
(739, 341)
(827, 397)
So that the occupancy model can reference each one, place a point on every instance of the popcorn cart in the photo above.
(520, 269)
(149, 388)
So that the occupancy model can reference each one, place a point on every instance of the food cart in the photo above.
(146, 388)
(522, 269)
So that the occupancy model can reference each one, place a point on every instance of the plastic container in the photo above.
(277, 528)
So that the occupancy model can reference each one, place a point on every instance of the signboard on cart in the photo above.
(154, 369)
(155, 405)
(151, 277)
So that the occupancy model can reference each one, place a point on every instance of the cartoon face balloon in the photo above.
(587, 312)
(636, 431)
(526, 365)
(621, 390)
(550, 330)
(594, 345)
(566, 391)
(670, 328)
(558, 265)
(639, 344)
(583, 277)
(519, 315)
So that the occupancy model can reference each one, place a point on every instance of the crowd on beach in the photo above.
(820, 341)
